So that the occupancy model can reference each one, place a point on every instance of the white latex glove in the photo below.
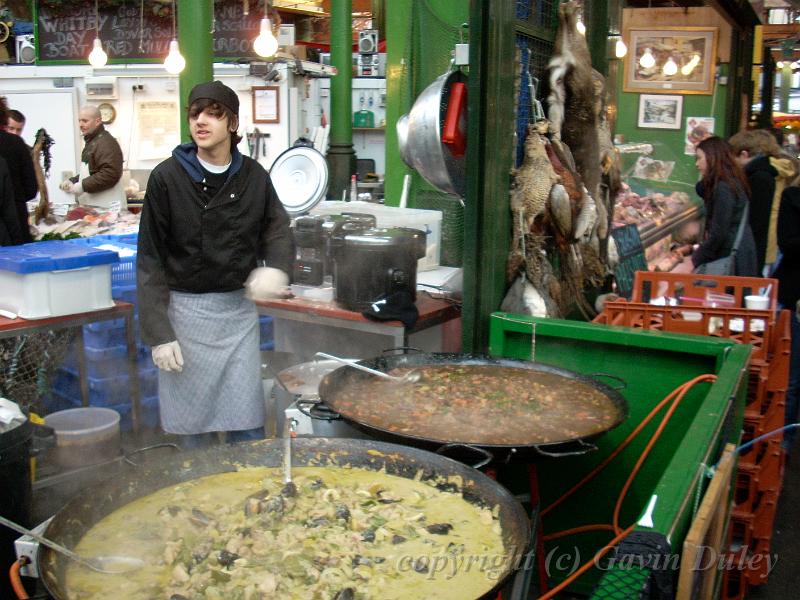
(71, 188)
(168, 357)
(265, 283)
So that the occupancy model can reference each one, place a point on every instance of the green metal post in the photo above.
(596, 20)
(379, 17)
(487, 222)
(767, 89)
(786, 84)
(197, 46)
(341, 156)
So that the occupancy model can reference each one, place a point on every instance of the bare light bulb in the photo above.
(174, 62)
(691, 65)
(670, 67)
(620, 49)
(97, 57)
(580, 27)
(265, 44)
(647, 59)
(779, 64)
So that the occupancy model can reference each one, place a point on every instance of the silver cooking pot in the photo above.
(419, 135)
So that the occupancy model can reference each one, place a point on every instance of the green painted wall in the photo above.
(668, 144)
(401, 85)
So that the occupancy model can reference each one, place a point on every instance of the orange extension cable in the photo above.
(16, 582)
(676, 396)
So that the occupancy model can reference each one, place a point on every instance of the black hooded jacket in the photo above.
(761, 177)
(191, 243)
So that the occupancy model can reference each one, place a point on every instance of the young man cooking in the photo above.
(210, 218)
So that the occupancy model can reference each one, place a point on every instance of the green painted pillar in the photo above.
(197, 46)
(786, 85)
(341, 156)
(379, 17)
(595, 18)
(767, 89)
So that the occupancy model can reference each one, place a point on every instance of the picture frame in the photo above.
(692, 49)
(660, 111)
(266, 104)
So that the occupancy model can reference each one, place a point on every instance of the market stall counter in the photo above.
(10, 328)
(304, 327)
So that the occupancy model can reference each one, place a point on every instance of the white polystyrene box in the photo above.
(429, 221)
(39, 293)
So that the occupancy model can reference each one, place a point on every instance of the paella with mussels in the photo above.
(334, 533)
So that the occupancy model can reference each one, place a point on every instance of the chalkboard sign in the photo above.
(65, 32)
(234, 31)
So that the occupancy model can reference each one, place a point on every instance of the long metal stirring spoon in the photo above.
(109, 565)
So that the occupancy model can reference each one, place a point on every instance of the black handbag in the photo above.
(727, 264)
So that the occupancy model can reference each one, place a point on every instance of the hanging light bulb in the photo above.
(647, 60)
(691, 65)
(779, 64)
(620, 49)
(174, 63)
(97, 57)
(670, 67)
(580, 26)
(265, 44)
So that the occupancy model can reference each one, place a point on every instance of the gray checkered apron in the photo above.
(219, 388)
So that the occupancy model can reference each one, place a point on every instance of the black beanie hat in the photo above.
(216, 91)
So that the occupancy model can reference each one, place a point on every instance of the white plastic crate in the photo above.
(429, 221)
(50, 279)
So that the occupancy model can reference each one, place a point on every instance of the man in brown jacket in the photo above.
(99, 185)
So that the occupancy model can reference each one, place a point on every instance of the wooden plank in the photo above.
(707, 533)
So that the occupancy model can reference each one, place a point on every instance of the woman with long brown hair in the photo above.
(724, 189)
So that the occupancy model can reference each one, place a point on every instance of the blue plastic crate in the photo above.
(267, 328)
(106, 334)
(103, 363)
(56, 401)
(270, 345)
(124, 272)
(149, 415)
(131, 239)
(125, 293)
(109, 391)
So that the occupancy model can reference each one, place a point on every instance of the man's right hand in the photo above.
(168, 357)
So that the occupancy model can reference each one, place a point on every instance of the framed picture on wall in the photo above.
(657, 111)
(266, 104)
(676, 59)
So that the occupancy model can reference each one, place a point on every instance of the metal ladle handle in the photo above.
(355, 365)
(45, 542)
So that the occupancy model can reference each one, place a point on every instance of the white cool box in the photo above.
(50, 279)
(429, 221)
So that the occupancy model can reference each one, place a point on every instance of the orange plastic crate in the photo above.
(649, 284)
(738, 324)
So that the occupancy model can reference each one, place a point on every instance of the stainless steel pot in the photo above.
(419, 137)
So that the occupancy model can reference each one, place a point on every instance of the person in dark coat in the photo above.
(20, 166)
(10, 235)
(723, 187)
(768, 170)
(788, 275)
(213, 238)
